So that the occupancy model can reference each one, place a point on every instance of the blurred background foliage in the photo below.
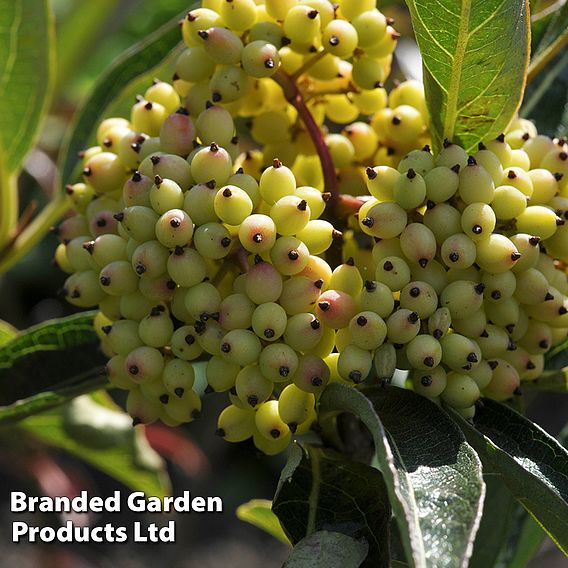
(90, 35)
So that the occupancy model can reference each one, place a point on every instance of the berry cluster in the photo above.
(192, 250)
(473, 249)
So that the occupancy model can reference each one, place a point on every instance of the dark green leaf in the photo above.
(498, 508)
(475, 55)
(106, 439)
(46, 400)
(533, 465)
(317, 492)
(48, 357)
(444, 471)
(326, 549)
(139, 59)
(432, 475)
(258, 512)
(527, 535)
(26, 69)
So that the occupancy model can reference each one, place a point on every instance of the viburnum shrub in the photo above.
(371, 271)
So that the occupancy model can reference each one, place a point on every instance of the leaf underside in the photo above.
(317, 492)
(432, 475)
(325, 549)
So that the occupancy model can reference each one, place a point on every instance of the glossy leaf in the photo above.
(325, 549)
(475, 55)
(26, 69)
(140, 58)
(45, 364)
(258, 512)
(433, 476)
(105, 438)
(533, 465)
(322, 492)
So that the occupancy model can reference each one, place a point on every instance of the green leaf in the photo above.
(105, 439)
(325, 549)
(432, 475)
(498, 508)
(530, 539)
(475, 55)
(527, 535)
(46, 400)
(53, 356)
(26, 70)
(140, 58)
(318, 491)
(533, 465)
(258, 512)
(7, 332)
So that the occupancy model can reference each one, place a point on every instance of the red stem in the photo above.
(295, 98)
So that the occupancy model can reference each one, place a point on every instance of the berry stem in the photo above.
(314, 93)
(295, 98)
(307, 64)
(347, 205)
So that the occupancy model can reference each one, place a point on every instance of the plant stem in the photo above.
(295, 98)
(33, 233)
(347, 205)
(315, 490)
(8, 208)
(307, 64)
(542, 59)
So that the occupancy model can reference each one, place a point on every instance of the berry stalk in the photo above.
(295, 98)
